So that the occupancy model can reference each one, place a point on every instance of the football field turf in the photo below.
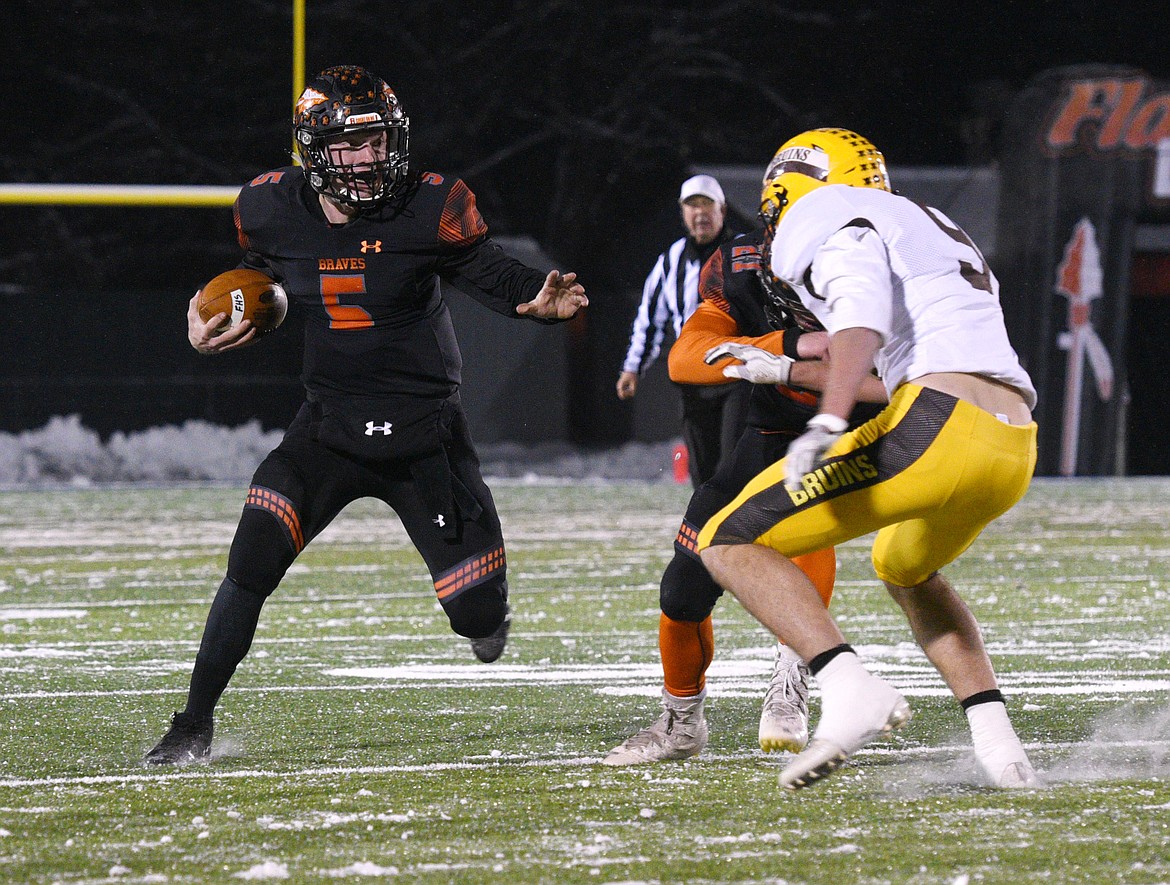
(361, 741)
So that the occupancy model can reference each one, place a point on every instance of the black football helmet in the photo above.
(783, 308)
(350, 101)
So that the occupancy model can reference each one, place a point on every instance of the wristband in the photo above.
(791, 336)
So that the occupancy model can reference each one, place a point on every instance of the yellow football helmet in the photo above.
(815, 158)
(810, 160)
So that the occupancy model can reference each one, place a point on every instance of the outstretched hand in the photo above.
(560, 298)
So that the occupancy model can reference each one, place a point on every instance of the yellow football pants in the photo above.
(928, 474)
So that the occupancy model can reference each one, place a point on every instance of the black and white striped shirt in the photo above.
(669, 295)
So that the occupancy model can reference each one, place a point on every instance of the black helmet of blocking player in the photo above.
(352, 136)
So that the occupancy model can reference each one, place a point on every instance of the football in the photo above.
(244, 294)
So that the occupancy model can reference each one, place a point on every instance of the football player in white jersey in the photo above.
(899, 287)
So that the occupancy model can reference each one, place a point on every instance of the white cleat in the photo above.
(679, 733)
(1016, 774)
(820, 759)
(1019, 776)
(825, 757)
(1002, 759)
(784, 717)
(853, 714)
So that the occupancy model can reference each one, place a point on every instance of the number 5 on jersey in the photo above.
(344, 316)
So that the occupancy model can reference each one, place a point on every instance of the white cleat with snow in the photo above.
(857, 708)
(1008, 768)
(1002, 760)
(679, 733)
(1018, 776)
(784, 717)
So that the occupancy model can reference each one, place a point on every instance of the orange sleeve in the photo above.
(240, 235)
(460, 223)
(709, 325)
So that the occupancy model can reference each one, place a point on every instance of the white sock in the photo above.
(843, 671)
(678, 703)
(990, 726)
(995, 741)
(855, 704)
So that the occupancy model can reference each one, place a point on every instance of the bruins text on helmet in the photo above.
(809, 160)
(346, 105)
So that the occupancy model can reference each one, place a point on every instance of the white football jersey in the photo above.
(862, 257)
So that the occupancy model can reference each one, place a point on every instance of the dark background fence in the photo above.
(573, 126)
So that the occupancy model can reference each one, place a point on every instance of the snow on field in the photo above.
(270, 869)
(33, 614)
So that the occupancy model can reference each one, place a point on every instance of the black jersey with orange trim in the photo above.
(375, 320)
(730, 282)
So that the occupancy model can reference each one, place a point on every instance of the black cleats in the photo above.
(189, 740)
(491, 647)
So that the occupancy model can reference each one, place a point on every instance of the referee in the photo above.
(713, 416)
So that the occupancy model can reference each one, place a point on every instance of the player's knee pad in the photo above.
(479, 610)
(687, 591)
(261, 551)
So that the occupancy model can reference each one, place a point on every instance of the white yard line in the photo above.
(728, 678)
(207, 772)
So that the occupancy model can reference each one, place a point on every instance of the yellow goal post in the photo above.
(148, 195)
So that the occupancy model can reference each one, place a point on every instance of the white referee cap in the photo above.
(702, 186)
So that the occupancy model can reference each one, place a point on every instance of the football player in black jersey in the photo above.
(359, 241)
(739, 315)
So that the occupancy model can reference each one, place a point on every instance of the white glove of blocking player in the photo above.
(759, 366)
(810, 447)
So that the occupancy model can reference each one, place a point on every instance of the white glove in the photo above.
(759, 366)
(810, 447)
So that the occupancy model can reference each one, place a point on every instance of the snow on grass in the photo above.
(36, 614)
(269, 869)
(361, 868)
(359, 717)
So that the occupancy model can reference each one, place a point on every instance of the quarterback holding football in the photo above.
(359, 241)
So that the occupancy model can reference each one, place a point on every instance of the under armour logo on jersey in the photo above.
(383, 428)
(439, 521)
(375, 246)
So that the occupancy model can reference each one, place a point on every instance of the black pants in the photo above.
(302, 485)
(298, 490)
(687, 591)
(713, 418)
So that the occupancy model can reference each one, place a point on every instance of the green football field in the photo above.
(361, 741)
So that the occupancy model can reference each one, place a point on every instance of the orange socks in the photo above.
(687, 649)
(821, 568)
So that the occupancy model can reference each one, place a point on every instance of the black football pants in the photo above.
(297, 491)
(713, 417)
(687, 591)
